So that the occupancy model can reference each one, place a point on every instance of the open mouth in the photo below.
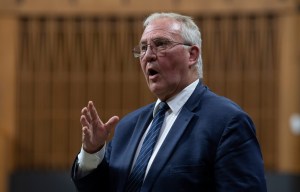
(152, 72)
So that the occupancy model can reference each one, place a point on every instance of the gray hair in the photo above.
(189, 31)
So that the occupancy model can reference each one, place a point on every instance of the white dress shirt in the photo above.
(87, 162)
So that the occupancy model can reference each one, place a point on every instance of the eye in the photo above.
(161, 43)
(143, 47)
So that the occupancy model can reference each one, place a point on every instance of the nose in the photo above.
(150, 54)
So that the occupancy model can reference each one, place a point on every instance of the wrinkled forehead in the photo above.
(162, 28)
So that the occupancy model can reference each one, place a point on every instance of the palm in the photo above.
(94, 132)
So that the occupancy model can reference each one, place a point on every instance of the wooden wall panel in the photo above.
(136, 7)
(64, 62)
(269, 91)
(289, 95)
(113, 70)
(59, 59)
(41, 94)
(67, 61)
(234, 60)
(25, 101)
(8, 52)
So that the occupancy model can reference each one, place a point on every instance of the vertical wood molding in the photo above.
(8, 39)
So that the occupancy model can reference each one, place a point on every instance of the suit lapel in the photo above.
(169, 145)
(141, 125)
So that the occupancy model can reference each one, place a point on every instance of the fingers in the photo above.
(94, 131)
(85, 134)
(85, 128)
(87, 114)
(90, 113)
(93, 112)
(84, 122)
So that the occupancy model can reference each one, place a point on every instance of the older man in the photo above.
(189, 140)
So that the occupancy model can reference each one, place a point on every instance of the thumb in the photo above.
(111, 123)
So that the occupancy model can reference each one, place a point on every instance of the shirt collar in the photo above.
(176, 103)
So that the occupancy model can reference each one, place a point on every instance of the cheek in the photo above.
(171, 73)
(174, 67)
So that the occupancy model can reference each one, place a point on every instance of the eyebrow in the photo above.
(157, 38)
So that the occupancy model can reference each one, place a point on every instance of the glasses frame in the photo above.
(137, 52)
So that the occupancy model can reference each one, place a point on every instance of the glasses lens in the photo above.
(158, 47)
(136, 51)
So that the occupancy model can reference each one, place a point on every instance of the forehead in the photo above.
(164, 27)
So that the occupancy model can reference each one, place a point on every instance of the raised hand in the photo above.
(94, 131)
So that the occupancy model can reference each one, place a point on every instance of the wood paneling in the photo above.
(135, 7)
(289, 95)
(66, 61)
(8, 34)
(72, 51)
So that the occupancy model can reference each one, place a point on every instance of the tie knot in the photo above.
(163, 107)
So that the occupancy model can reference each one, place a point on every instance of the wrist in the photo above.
(92, 151)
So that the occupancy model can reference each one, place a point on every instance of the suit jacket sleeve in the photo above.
(238, 163)
(97, 179)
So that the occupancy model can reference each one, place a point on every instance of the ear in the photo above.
(194, 54)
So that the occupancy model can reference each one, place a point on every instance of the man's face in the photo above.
(167, 74)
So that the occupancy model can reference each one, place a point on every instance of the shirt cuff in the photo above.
(87, 162)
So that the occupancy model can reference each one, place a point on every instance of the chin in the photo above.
(155, 90)
(159, 94)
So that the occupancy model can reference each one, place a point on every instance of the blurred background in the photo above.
(56, 55)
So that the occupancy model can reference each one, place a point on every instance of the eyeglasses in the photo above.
(158, 46)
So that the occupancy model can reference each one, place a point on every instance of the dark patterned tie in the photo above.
(137, 174)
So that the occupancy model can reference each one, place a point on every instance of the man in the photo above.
(205, 142)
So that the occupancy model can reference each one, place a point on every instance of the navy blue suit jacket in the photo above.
(211, 147)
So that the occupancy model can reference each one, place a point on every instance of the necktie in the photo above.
(137, 174)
